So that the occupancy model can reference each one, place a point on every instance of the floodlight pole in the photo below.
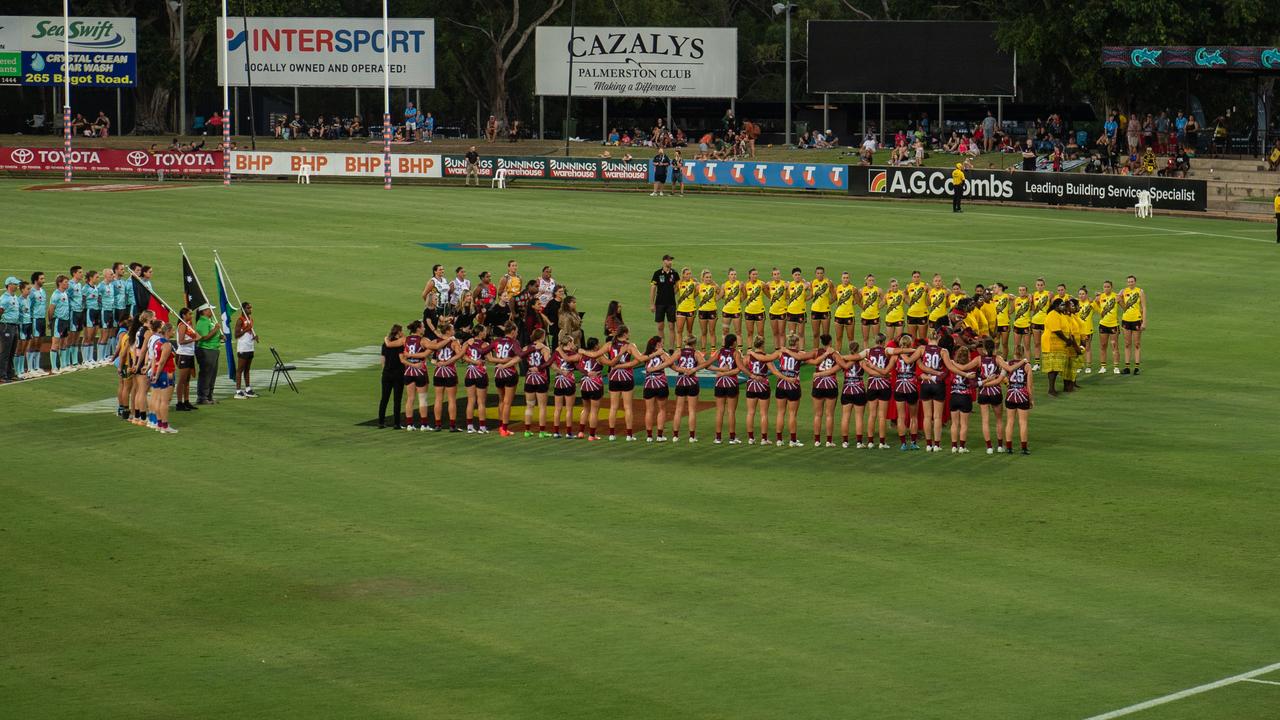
(226, 102)
(386, 100)
(788, 113)
(182, 71)
(568, 100)
(66, 93)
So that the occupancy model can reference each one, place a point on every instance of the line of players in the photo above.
(756, 308)
(924, 380)
(80, 316)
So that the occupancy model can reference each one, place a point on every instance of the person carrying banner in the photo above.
(208, 342)
(957, 187)
(246, 339)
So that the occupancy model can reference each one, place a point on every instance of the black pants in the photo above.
(1278, 227)
(955, 197)
(208, 360)
(8, 348)
(391, 385)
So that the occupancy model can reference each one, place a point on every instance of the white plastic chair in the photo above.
(499, 179)
(304, 174)
(1143, 208)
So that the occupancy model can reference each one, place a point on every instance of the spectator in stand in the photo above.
(1056, 159)
(1110, 127)
(988, 131)
(491, 129)
(357, 128)
(1192, 133)
(1072, 150)
(102, 125)
(1134, 135)
(1273, 158)
(1148, 131)
(411, 120)
(1220, 135)
(513, 131)
(1179, 129)
(1148, 161)
(296, 126)
(1029, 157)
(729, 122)
(918, 149)
(429, 128)
(750, 133)
(614, 138)
(214, 124)
(79, 125)
(1162, 130)
(1182, 162)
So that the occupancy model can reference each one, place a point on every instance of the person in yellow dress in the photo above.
(1003, 303)
(822, 291)
(1054, 341)
(988, 306)
(1133, 321)
(1108, 308)
(870, 299)
(917, 306)
(846, 298)
(708, 304)
(686, 303)
(895, 315)
(937, 301)
(1023, 309)
(777, 289)
(753, 306)
(1039, 311)
(1087, 314)
(732, 292)
(797, 301)
(1070, 311)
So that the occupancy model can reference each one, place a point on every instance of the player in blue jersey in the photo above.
(122, 294)
(59, 321)
(24, 331)
(39, 300)
(92, 319)
(75, 293)
(107, 300)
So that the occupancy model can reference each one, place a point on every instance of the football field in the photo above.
(281, 558)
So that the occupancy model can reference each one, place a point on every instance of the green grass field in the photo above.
(279, 559)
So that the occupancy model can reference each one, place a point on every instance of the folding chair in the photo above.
(281, 369)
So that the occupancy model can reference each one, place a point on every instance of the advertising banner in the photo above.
(638, 62)
(116, 161)
(782, 175)
(1193, 57)
(552, 168)
(103, 51)
(1117, 191)
(326, 164)
(328, 52)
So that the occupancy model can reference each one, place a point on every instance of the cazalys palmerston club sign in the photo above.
(638, 62)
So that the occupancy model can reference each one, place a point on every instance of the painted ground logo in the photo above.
(878, 181)
(495, 246)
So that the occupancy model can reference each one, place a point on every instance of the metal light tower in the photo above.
(785, 9)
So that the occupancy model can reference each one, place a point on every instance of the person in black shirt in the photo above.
(392, 375)
(662, 301)
(473, 166)
(661, 163)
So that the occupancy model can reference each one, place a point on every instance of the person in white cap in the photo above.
(10, 316)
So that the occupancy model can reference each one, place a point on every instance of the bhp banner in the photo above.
(787, 176)
(244, 162)
(552, 168)
(116, 161)
(1116, 191)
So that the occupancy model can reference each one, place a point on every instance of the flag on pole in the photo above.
(227, 312)
(146, 300)
(191, 288)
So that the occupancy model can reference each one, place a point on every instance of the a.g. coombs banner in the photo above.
(1116, 191)
(638, 62)
(104, 51)
(551, 168)
(328, 52)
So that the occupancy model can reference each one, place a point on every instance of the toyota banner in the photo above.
(111, 161)
(1113, 191)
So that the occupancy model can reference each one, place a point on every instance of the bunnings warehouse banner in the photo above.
(637, 62)
(1116, 191)
(103, 51)
(551, 168)
(328, 52)
(781, 175)
(404, 165)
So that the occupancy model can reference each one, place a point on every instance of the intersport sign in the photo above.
(112, 161)
(405, 165)
(1116, 191)
(328, 52)
(637, 62)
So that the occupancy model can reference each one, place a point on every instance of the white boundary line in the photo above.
(1189, 692)
(1264, 682)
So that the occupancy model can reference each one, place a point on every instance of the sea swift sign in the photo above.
(638, 62)
(104, 51)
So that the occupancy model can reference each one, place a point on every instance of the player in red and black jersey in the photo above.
(592, 388)
(414, 357)
(504, 353)
(1017, 404)
(687, 363)
(906, 389)
(726, 364)
(537, 358)
(879, 390)
(447, 352)
(656, 390)
(565, 387)
(623, 355)
(933, 391)
(853, 393)
(825, 389)
(961, 382)
(476, 380)
(788, 391)
(757, 369)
